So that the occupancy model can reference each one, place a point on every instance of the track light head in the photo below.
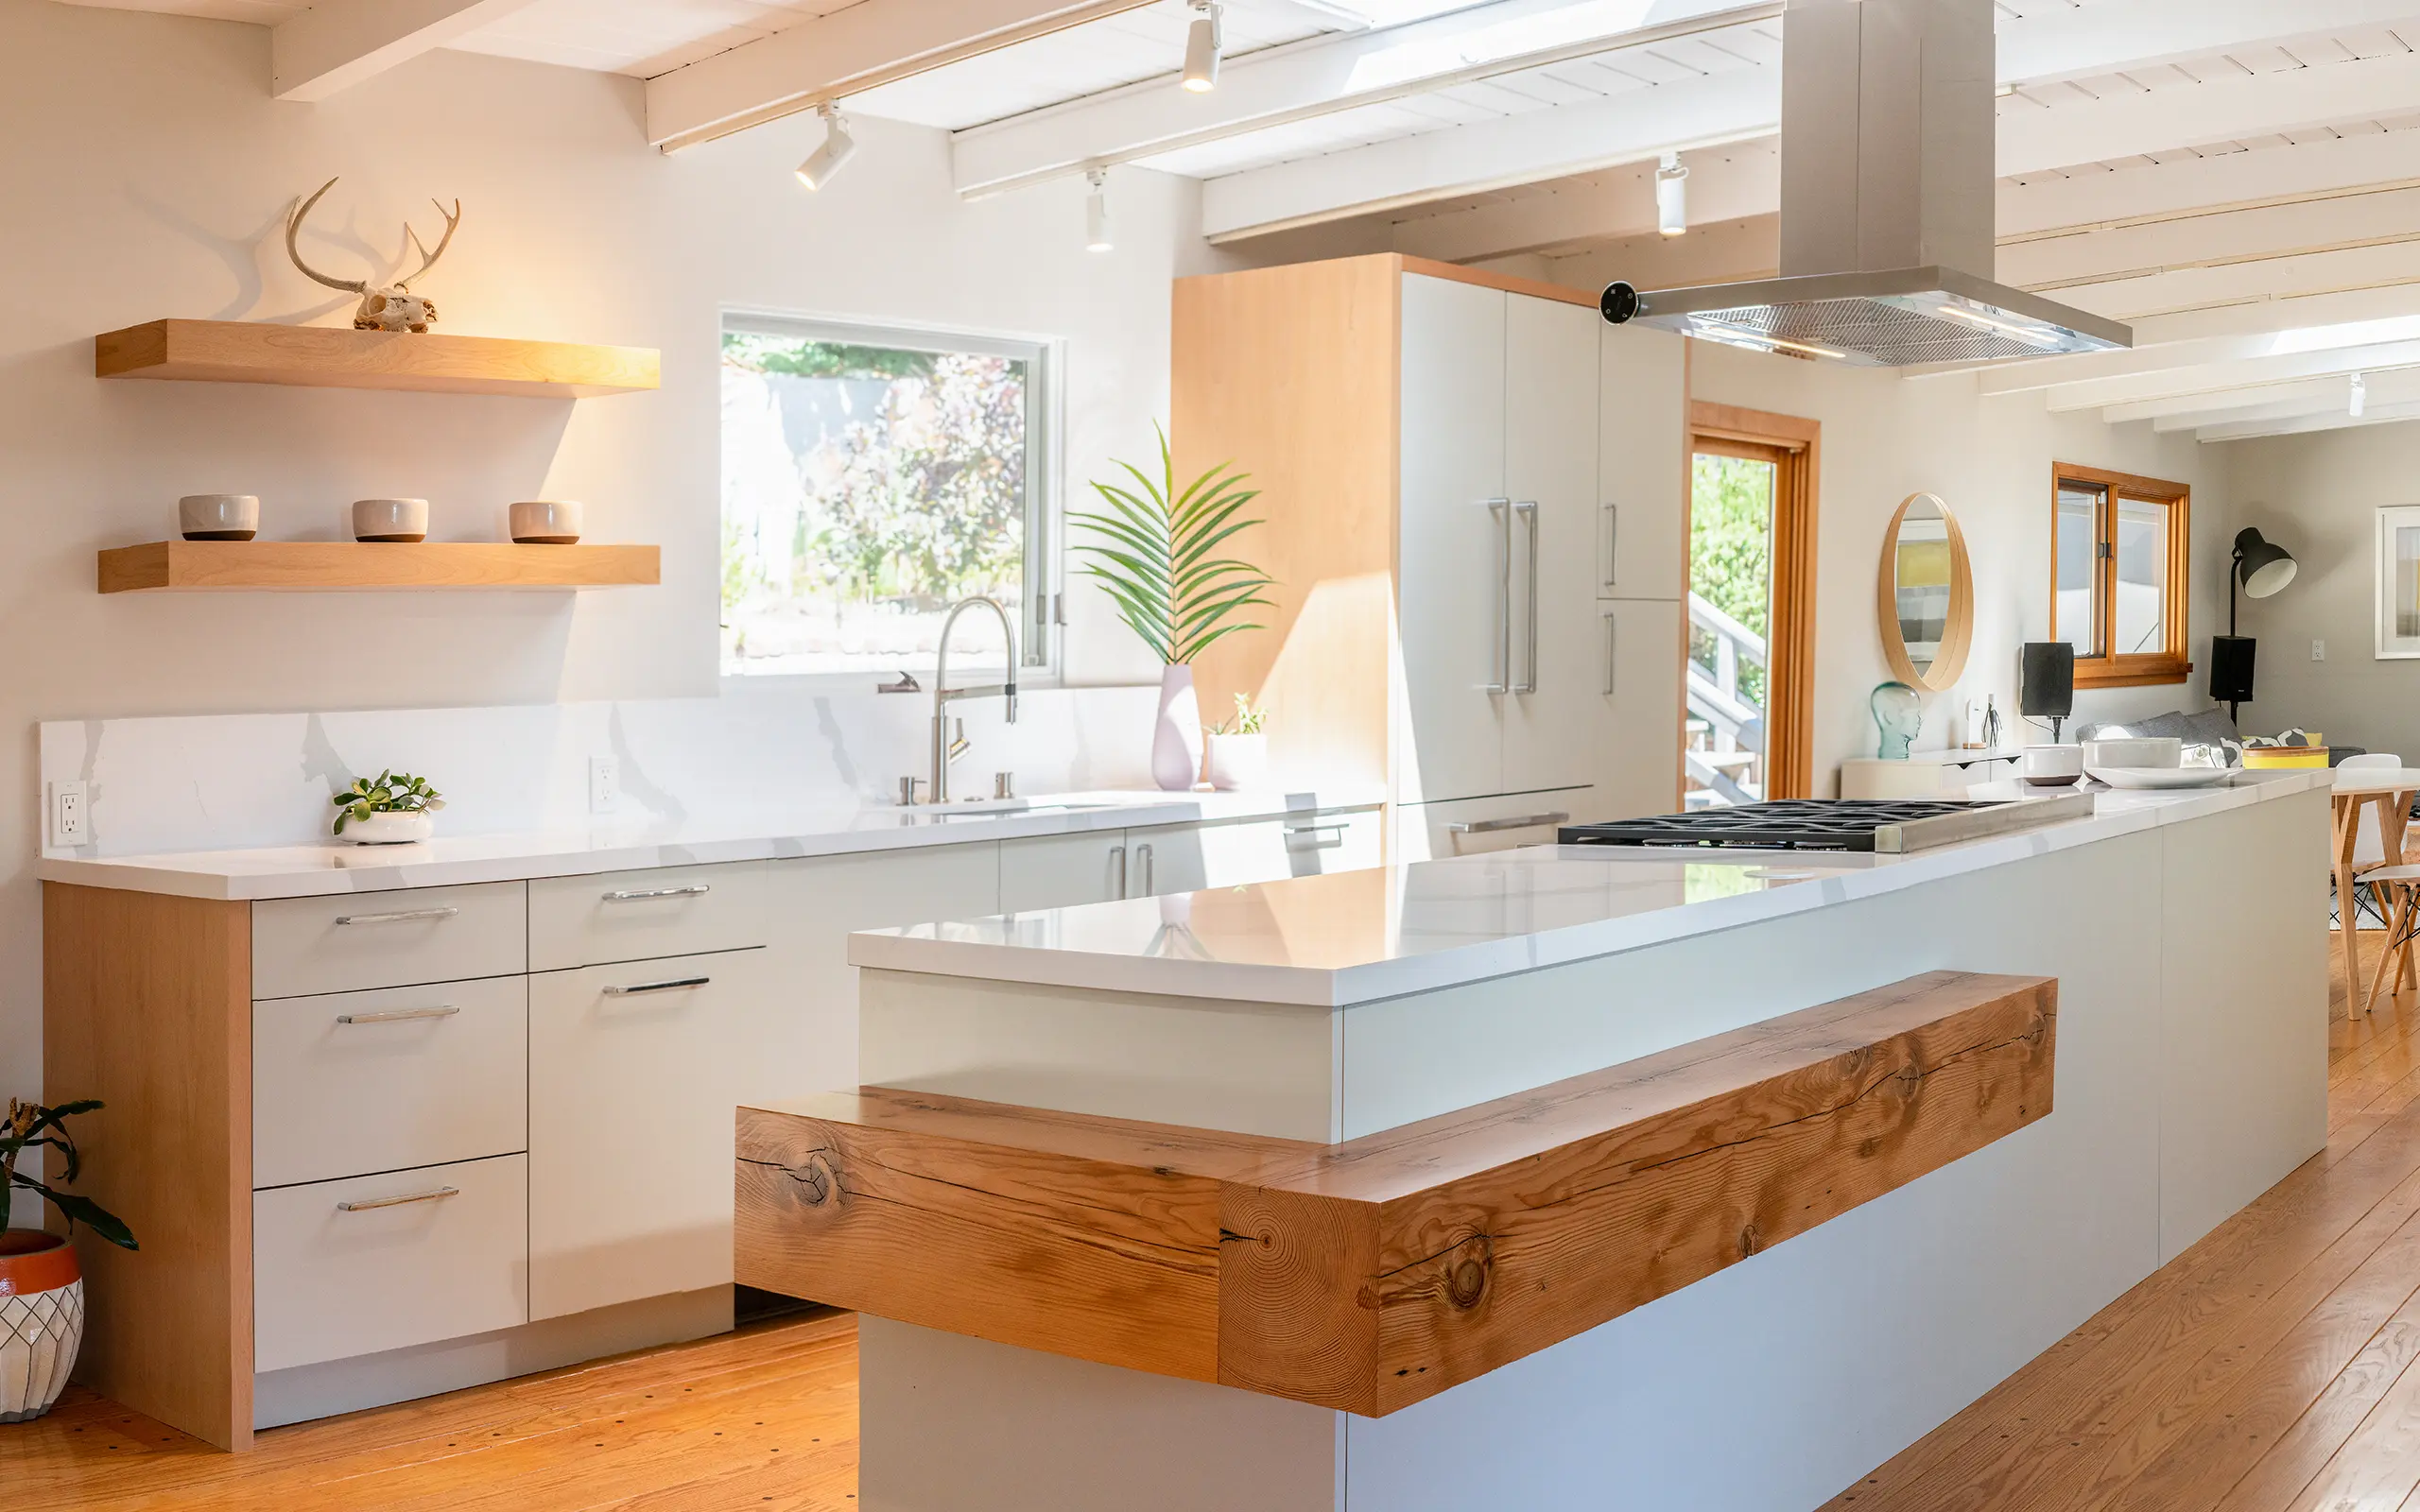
(1203, 42)
(837, 146)
(1096, 234)
(1672, 196)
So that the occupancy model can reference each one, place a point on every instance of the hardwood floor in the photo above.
(765, 1419)
(2270, 1369)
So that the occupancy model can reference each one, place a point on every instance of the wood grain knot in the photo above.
(1466, 1277)
(814, 1182)
(1751, 1240)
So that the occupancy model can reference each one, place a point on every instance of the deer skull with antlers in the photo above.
(385, 307)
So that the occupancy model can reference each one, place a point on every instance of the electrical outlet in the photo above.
(2319, 650)
(604, 784)
(67, 815)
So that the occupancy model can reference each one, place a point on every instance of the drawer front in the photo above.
(634, 1073)
(637, 916)
(307, 945)
(1063, 870)
(358, 1082)
(1469, 827)
(375, 1263)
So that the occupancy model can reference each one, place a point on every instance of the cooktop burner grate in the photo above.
(1779, 824)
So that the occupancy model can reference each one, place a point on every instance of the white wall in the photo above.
(1886, 436)
(148, 175)
(2318, 496)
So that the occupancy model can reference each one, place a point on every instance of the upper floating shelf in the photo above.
(350, 564)
(244, 351)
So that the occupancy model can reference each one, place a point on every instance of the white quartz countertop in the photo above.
(311, 870)
(1357, 936)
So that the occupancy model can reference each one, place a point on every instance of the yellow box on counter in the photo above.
(2276, 758)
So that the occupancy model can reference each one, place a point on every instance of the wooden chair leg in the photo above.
(2398, 920)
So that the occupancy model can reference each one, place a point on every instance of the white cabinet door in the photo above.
(1159, 862)
(1437, 831)
(1299, 845)
(1556, 722)
(1453, 540)
(1638, 647)
(1062, 870)
(1643, 463)
(635, 1077)
(809, 1041)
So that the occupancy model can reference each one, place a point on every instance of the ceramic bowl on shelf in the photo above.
(403, 520)
(2135, 752)
(547, 522)
(219, 516)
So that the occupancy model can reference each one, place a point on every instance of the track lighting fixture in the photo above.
(1202, 45)
(1672, 196)
(1097, 237)
(826, 161)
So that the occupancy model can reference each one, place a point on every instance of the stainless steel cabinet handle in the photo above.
(696, 889)
(1529, 511)
(397, 1202)
(1502, 683)
(1338, 827)
(1527, 821)
(404, 918)
(443, 1010)
(1613, 539)
(1334, 832)
(671, 985)
(1117, 854)
(1143, 860)
(1613, 653)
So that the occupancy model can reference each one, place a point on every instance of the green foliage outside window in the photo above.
(1730, 553)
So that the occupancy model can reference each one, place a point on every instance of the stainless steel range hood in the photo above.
(1887, 208)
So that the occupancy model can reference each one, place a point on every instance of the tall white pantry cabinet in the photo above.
(1474, 495)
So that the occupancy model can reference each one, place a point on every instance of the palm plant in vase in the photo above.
(1157, 556)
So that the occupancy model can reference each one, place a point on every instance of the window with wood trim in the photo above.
(2119, 550)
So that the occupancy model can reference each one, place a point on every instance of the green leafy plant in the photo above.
(386, 792)
(1246, 720)
(1155, 557)
(30, 1125)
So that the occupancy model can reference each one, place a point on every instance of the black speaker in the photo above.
(2048, 690)
(2231, 668)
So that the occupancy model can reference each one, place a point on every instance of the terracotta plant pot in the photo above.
(41, 1320)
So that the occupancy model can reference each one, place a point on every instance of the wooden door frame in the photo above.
(1795, 446)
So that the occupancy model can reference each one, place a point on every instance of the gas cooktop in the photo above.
(1890, 826)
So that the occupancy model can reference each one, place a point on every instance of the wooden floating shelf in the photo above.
(194, 565)
(244, 351)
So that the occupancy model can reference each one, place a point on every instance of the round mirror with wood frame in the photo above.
(1925, 594)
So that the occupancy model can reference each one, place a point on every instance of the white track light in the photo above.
(1672, 196)
(1097, 237)
(1202, 45)
(826, 161)
(2360, 398)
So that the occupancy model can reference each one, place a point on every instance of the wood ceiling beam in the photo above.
(338, 44)
(1321, 76)
(2256, 380)
(1725, 184)
(874, 42)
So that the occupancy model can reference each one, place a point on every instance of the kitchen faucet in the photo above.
(945, 750)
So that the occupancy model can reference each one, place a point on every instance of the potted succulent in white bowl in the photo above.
(1238, 753)
(42, 1287)
(1154, 557)
(392, 808)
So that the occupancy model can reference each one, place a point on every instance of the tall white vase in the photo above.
(1176, 736)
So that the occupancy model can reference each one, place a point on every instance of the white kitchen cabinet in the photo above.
(1642, 463)
(1456, 544)
(349, 942)
(1470, 827)
(1639, 649)
(635, 1071)
(809, 1040)
(634, 916)
(1306, 845)
(1062, 870)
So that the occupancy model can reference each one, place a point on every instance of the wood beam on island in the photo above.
(1371, 1275)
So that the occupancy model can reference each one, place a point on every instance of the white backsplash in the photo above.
(217, 781)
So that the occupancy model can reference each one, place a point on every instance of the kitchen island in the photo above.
(1264, 1039)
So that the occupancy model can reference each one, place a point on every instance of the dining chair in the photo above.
(2393, 892)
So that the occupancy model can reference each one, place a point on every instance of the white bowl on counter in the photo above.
(2052, 765)
(2159, 752)
(2153, 779)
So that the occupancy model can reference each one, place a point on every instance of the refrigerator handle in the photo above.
(1528, 511)
(1502, 666)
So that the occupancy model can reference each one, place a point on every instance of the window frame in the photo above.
(2172, 661)
(1043, 613)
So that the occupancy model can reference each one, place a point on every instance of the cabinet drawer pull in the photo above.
(1142, 861)
(1307, 836)
(397, 1202)
(443, 1010)
(671, 985)
(406, 916)
(696, 889)
(1337, 828)
(1527, 821)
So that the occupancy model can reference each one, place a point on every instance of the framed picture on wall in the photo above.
(2398, 569)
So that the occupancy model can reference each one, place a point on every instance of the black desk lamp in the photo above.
(2260, 568)
(2047, 689)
